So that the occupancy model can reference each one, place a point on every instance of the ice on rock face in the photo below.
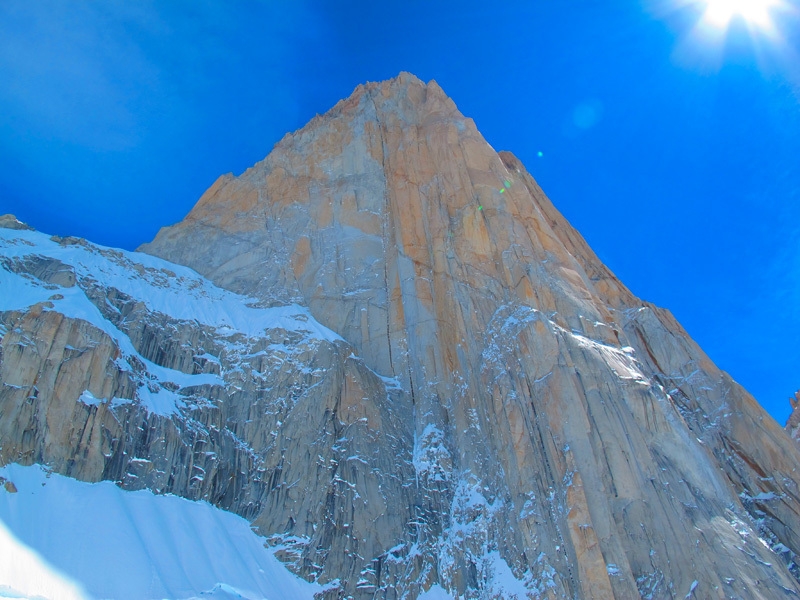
(431, 457)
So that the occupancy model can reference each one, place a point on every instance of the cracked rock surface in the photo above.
(423, 375)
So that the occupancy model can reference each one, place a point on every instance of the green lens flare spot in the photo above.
(540, 154)
(502, 190)
(507, 184)
(480, 207)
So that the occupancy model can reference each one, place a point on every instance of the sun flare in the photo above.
(716, 30)
(720, 13)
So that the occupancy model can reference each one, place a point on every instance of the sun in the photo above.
(756, 13)
(710, 32)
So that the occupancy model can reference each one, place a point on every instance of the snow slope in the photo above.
(129, 545)
(435, 593)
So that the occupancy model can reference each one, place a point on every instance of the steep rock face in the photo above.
(564, 429)
(501, 416)
(128, 368)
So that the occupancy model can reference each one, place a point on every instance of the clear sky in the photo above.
(669, 130)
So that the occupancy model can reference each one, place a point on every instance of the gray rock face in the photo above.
(500, 416)
(99, 383)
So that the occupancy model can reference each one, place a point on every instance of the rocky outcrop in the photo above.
(11, 222)
(500, 415)
(793, 423)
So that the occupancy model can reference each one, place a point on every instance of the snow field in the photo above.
(63, 538)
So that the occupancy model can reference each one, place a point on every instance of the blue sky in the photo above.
(670, 141)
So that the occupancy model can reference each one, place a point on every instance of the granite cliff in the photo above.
(793, 424)
(407, 369)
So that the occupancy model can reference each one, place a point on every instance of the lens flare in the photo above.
(712, 32)
(719, 13)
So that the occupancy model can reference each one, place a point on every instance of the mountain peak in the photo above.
(405, 87)
(404, 98)
(493, 408)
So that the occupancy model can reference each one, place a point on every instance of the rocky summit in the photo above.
(384, 347)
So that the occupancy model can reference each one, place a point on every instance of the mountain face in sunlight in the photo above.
(385, 348)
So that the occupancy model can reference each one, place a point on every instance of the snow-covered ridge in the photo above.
(162, 286)
(64, 275)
